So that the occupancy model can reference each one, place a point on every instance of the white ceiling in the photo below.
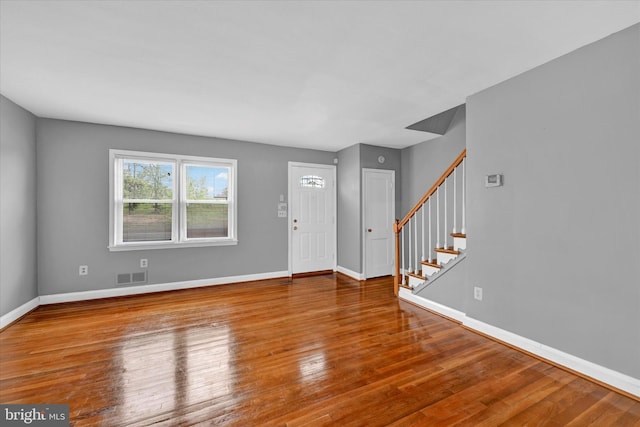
(315, 74)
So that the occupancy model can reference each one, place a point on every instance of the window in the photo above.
(165, 200)
(312, 181)
(206, 202)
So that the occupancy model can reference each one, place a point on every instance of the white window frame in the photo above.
(179, 201)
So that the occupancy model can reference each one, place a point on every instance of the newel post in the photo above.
(396, 276)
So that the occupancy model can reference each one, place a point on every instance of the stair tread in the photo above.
(405, 286)
(461, 235)
(431, 264)
(417, 276)
(448, 250)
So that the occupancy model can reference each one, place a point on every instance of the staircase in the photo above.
(432, 237)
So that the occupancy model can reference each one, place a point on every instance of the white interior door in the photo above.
(378, 217)
(312, 225)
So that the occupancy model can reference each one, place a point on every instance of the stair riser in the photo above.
(429, 271)
(459, 243)
(414, 282)
(444, 258)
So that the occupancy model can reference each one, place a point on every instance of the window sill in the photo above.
(149, 246)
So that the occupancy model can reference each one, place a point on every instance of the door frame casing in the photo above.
(392, 172)
(333, 169)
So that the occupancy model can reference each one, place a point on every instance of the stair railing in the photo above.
(407, 243)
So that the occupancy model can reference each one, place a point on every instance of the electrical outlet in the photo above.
(83, 270)
(144, 263)
(477, 293)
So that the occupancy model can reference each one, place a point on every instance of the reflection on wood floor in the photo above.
(322, 350)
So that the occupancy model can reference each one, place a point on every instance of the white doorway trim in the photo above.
(392, 208)
(331, 168)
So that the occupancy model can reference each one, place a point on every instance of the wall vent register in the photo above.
(132, 278)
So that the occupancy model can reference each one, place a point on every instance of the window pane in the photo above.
(207, 182)
(207, 220)
(144, 222)
(147, 180)
(312, 181)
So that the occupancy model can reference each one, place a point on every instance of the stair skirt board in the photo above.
(429, 274)
(617, 381)
(441, 273)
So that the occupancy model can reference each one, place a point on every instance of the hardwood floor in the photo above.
(321, 350)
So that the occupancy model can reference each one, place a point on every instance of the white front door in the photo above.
(312, 225)
(378, 218)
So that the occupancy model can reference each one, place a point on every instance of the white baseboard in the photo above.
(350, 273)
(407, 295)
(161, 287)
(14, 315)
(615, 379)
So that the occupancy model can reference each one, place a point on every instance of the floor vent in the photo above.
(131, 278)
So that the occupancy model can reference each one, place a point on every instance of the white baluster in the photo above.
(410, 257)
(454, 200)
(415, 241)
(430, 247)
(445, 214)
(464, 198)
(438, 217)
(402, 256)
(422, 258)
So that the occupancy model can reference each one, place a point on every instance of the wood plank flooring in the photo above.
(312, 351)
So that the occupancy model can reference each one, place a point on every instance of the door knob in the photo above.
(369, 230)
(295, 228)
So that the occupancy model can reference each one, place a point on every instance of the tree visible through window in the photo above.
(147, 211)
(207, 207)
(161, 200)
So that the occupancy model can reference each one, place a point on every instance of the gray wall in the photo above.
(351, 161)
(349, 218)
(556, 249)
(449, 289)
(423, 163)
(73, 207)
(18, 262)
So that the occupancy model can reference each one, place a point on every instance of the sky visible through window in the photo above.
(146, 180)
(211, 182)
(165, 199)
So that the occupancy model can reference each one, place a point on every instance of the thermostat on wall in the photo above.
(494, 180)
